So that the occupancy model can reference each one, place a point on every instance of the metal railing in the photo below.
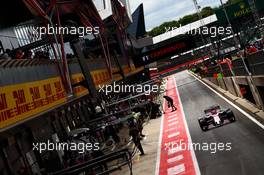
(123, 154)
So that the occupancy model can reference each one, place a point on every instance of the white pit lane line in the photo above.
(175, 159)
(194, 159)
(160, 139)
(232, 104)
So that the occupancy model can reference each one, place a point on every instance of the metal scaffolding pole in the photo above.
(234, 37)
(250, 79)
(255, 14)
(197, 7)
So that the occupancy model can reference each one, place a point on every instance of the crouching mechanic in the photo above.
(170, 103)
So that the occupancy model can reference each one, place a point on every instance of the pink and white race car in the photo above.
(215, 116)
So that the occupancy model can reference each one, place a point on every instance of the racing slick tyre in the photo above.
(204, 127)
(222, 122)
(231, 117)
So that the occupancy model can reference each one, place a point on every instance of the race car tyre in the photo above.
(204, 127)
(222, 122)
(232, 119)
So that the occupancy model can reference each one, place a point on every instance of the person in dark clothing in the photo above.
(140, 126)
(135, 134)
(111, 131)
(170, 103)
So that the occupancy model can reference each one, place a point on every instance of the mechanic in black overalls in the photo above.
(135, 134)
(170, 103)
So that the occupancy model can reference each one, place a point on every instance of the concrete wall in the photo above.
(232, 84)
(222, 83)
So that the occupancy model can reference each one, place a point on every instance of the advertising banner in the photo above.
(164, 50)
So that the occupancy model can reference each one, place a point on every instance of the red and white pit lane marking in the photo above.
(172, 159)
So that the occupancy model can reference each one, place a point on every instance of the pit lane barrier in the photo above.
(120, 154)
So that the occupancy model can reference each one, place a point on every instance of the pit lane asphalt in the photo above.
(247, 154)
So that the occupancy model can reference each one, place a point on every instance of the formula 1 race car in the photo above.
(215, 116)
